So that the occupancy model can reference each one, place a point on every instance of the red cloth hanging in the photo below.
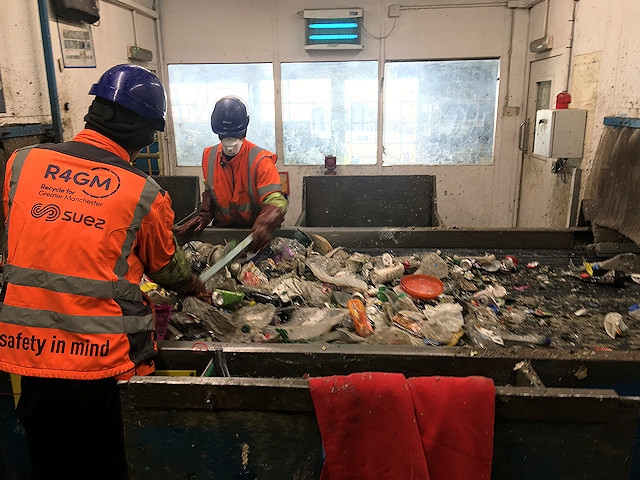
(455, 417)
(382, 426)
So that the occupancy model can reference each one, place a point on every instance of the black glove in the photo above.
(199, 222)
(198, 289)
(269, 219)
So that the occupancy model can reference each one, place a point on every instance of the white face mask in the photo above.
(231, 146)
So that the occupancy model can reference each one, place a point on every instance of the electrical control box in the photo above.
(87, 11)
(560, 133)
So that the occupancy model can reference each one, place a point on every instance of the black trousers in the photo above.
(74, 428)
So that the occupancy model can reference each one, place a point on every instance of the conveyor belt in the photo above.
(566, 411)
(552, 290)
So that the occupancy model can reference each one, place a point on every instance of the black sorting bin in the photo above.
(255, 414)
(184, 192)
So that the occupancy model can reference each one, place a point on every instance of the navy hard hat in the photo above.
(135, 88)
(230, 117)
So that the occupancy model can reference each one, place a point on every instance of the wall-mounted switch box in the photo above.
(560, 133)
(140, 54)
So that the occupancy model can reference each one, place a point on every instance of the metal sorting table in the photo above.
(244, 410)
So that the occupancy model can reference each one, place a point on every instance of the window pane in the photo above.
(330, 108)
(194, 90)
(440, 112)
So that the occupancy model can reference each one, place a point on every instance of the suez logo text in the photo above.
(99, 182)
(52, 212)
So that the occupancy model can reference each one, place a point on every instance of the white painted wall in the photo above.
(22, 64)
(604, 80)
(213, 31)
(516, 190)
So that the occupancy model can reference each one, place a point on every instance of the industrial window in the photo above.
(330, 108)
(435, 112)
(194, 90)
(440, 112)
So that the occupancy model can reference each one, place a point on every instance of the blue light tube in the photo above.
(333, 37)
(333, 25)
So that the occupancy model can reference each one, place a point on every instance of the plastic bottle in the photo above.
(481, 337)
(614, 324)
(382, 294)
(634, 311)
(361, 323)
(263, 298)
(609, 277)
(387, 274)
(529, 338)
(223, 298)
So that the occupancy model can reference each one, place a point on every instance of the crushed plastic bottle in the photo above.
(634, 311)
(608, 277)
(466, 264)
(528, 338)
(381, 294)
(508, 264)
(482, 337)
(434, 265)
(614, 324)
(400, 301)
(361, 323)
(387, 274)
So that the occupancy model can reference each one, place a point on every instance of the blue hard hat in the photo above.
(230, 118)
(135, 88)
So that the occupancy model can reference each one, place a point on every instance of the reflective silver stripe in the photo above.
(225, 211)
(149, 194)
(274, 187)
(76, 323)
(18, 163)
(253, 153)
(213, 154)
(16, 168)
(121, 289)
(243, 207)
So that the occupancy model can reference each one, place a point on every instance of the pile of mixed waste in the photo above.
(302, 290)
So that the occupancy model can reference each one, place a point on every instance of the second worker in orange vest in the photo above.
(242, 184)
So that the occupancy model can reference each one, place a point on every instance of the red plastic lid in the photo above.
(424, 287)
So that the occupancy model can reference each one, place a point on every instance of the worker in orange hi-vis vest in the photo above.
(242, 185)
(82, 227)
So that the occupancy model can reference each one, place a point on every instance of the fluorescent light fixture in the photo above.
(338, 28)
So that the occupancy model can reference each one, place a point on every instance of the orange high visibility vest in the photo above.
(82, 227)
(240, 185)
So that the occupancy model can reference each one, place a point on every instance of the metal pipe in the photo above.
(449, 5)
(43, 9)
(573, 27)
(135, 30)
(546, 19)
(162, 72)
(132, 5)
